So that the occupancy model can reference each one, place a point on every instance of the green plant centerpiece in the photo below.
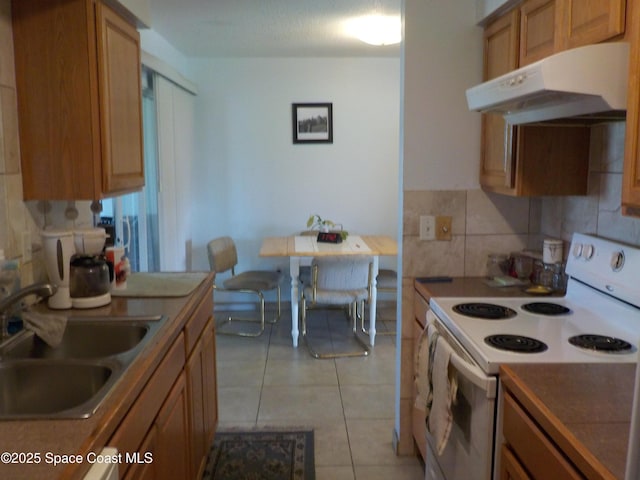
(315, 222)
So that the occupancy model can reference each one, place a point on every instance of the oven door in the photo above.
(469, 450)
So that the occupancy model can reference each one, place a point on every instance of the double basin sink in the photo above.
(72, 379)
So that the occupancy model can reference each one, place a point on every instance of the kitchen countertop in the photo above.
(71, 437)
(468, 287)
(584, 408)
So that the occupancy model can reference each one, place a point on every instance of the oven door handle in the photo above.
(474, 374)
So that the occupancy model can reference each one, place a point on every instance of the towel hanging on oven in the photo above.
(436, 387)
(444, 386)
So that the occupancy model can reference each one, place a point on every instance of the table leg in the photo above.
(294, 271)
(372, 307)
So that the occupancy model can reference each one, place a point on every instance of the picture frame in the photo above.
(312, 122)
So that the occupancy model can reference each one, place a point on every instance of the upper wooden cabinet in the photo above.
(519, 160)
(591, 21)
(538, 30)
(498, 147)
(79, 100)
(631, 175)
(550, 26)
(542, 160)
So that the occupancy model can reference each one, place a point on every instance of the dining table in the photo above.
(302, 248)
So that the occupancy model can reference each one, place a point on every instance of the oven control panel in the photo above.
(605, 265)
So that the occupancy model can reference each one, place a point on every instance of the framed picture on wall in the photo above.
(312, 122)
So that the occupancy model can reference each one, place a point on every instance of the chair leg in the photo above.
(364, 330)
(221, 326)
(279, 311)
(315, 354)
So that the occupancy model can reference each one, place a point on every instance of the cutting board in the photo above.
(160, 284)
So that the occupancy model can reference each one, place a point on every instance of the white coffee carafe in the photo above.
(58, 249)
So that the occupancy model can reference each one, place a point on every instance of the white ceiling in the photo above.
(267, 28)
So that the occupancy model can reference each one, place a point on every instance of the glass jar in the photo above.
(497, 265)
(545, 277)
(559, 281)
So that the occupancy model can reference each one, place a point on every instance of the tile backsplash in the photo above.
(485, 223)
(598, 212)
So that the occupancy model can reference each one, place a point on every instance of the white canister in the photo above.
(552, 250)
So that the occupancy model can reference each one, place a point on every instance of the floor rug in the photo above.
(261, 455)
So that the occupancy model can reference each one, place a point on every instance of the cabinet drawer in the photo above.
(195, 325)
(537, 454)
(134, 427)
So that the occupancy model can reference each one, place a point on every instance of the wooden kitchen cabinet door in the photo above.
(120, 102)
(172, 439)
(210, 383)
(510, 468)
(591, 21)
(631, 171)
(203, 406)
(79, 100)
(498, 138)
(539, 28)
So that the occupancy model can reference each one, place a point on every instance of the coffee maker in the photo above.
(58, 249)
(90, 276)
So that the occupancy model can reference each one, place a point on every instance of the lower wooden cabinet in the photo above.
(528, 453)
(144, 413)
(203, 408)
(171, 454)
(170, 426)
(164, 453)
(510, 468)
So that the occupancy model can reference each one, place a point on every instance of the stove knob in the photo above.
(577, 250)
(617, 261)
(587, 252)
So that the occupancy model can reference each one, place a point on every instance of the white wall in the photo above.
(154, 44)
(251, 181)
(442, 58)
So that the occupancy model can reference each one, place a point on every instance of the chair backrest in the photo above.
(222, 254)
(342, 272)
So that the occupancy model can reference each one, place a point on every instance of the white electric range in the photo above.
(598, 320)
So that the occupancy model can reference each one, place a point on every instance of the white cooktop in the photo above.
(603, 294)
(595, 314)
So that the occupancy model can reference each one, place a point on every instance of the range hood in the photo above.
(582, 82)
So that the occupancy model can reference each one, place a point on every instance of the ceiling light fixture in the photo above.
(376, 29)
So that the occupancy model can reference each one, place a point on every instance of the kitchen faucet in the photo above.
(41, 289)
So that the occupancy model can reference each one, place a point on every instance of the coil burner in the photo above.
(546, 308)
(488, 311)
(601, 343)
(515, 343)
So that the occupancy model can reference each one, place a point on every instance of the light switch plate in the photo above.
(427, 227)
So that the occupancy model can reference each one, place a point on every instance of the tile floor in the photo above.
(349, 402)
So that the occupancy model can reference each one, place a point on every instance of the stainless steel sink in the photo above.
(38, 389)
(85, 338)
(82, 340)
(72, 379)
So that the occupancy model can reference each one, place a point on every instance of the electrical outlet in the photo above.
(427, 227)
(443, 228)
